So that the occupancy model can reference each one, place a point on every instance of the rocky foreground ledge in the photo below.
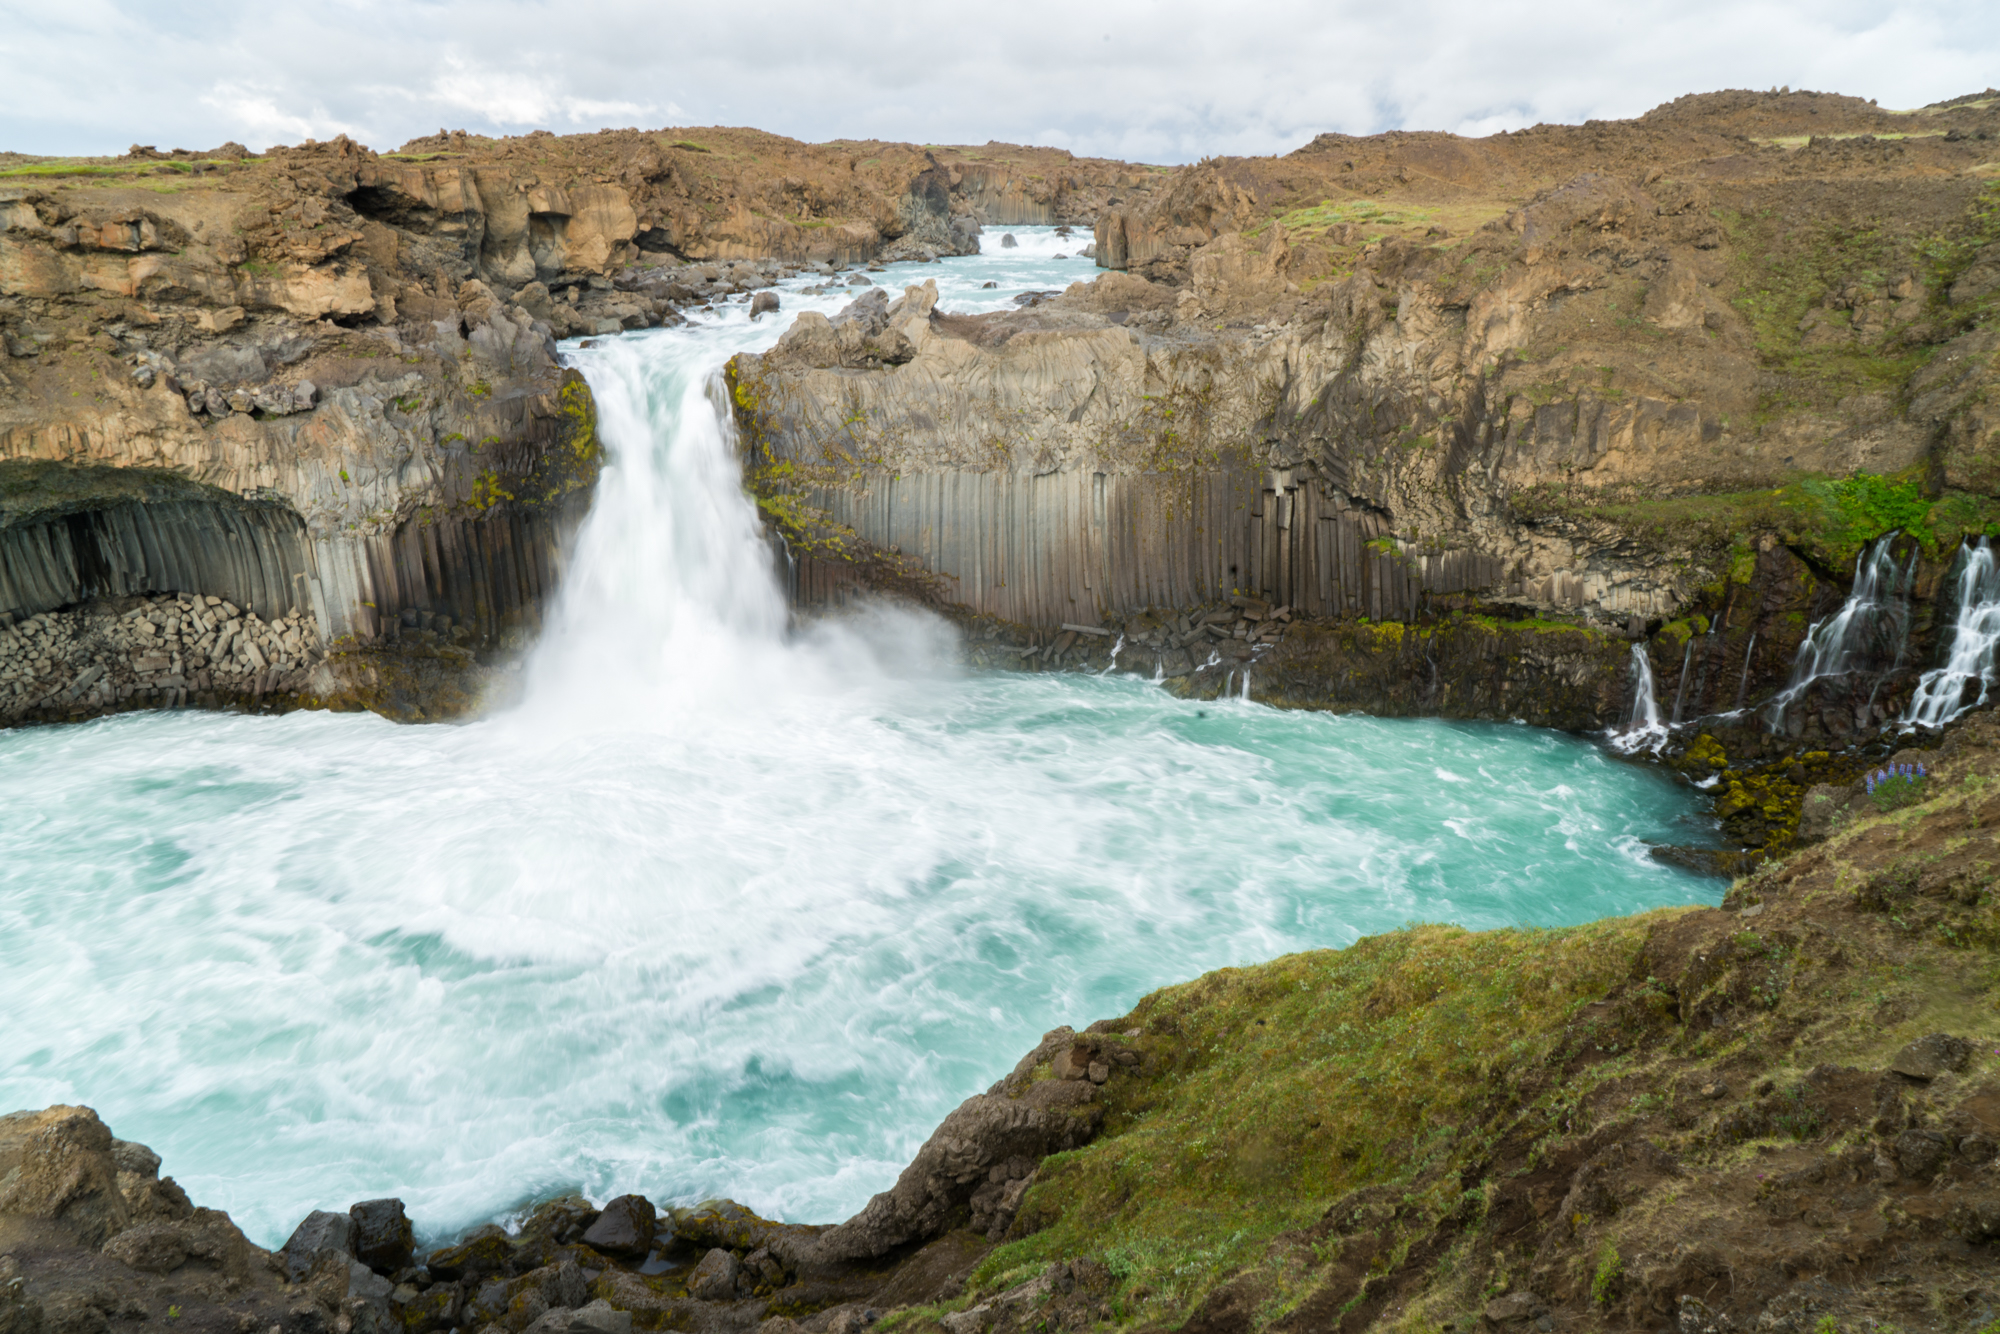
(1777, 1115)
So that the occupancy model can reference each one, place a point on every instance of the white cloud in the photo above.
(519, 98)
(261, 121)
(1174, 81)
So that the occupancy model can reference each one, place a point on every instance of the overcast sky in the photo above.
(1161, 82)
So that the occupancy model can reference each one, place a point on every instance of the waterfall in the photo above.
(1645, 708)
(1975, 632)
(718, 880)
(1869, 632)
(1643, 728)
(1680, 695)
(1743, 685)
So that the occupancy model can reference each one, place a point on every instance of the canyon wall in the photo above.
(1612, 379)
(324, 383)
(1619, 381)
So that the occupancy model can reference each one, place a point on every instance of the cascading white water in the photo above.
(1644, 729)
(721, 908)
(1975, 634)
(1743, 681)
(1870, 631)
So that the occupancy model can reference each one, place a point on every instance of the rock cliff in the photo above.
(323, 385)
(1611, 381)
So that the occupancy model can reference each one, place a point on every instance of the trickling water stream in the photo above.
(1644, 729)
(720, 908)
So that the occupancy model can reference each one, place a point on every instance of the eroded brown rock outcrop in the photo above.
(361, 347)
(1414, 376)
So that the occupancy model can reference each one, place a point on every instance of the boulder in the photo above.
(485, 1252)
(519, 1303)
(1920, 1153)
(1007, 241)
(137, 1159)
(1511, 1308)
(714, 1279)
(433, 1309)
(1929, 1057)
(151, 1248)
(559, 1221)
(764, 303)
(58, 1164)
(624, 1229)
(383, 1237)
(597, 1318)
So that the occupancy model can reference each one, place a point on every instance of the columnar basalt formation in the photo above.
(1655, 379)
(324, 383)
(1623, 375)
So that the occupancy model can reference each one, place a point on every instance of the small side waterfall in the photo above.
(1644, 728)
(1680, 694)
(1871, 631)
(1975, 633)
(1743, 684)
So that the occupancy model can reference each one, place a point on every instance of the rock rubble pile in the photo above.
(1169, 643)
(156, 651)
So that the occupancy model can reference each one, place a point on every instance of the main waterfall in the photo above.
(723, 906)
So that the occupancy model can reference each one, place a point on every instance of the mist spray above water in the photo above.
(722, 907)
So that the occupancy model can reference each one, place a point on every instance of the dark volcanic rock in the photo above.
(485, 1252)
(1929, 1057)
(383, 1237)
(714, 1279)
(625, 1228)
(321, 1231)
(1018, 1118)
(57, 1165)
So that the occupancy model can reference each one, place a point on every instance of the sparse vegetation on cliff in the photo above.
(1606, 1119)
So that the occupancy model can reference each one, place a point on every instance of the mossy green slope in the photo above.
(1594, 1118)
(1290, 1084)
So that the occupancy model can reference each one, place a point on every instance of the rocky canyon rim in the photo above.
(1412, 424)
(716, 909)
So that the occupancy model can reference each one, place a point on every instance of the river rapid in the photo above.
(721, 907)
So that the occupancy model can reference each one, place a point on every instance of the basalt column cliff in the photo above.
(292, 428)
(1464, 419)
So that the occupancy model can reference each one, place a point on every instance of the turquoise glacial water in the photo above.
(721, 907)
